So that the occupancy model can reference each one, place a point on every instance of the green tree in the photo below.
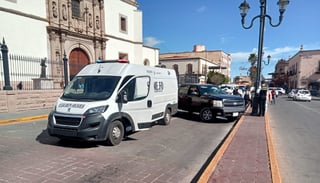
(217, 78)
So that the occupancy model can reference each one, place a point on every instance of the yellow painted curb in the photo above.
(275, 172)
(214, 162)
(24, 119)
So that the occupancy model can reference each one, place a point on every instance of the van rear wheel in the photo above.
(167, 117)
(115, 133)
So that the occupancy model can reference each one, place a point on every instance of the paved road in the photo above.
(173, 153)
(296, 136)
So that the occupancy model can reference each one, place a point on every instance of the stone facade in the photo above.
(82, 30)
(75, 28)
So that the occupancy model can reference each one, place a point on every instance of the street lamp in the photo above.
(267, 63)
(244, 7)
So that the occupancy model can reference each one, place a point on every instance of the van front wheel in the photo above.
(115, 133)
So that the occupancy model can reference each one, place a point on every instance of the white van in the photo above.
(111, 100)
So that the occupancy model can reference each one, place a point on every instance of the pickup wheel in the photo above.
(206, 114)
(115, 133)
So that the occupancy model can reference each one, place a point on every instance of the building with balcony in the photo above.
(304, 69)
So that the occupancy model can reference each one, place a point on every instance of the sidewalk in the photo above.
(21, 116)
(246, 155)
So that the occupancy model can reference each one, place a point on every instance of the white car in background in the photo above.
(278, 90)
(281, 91)
(304, 95)
(227, 89)
(292, 93)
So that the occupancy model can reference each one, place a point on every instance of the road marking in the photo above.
(24, 119)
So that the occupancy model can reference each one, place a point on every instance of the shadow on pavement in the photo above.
(194, 117)
(45, 138)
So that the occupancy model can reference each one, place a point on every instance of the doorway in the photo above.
(78, 59)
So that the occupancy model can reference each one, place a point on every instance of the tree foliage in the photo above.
(217, 78)
(253, 58)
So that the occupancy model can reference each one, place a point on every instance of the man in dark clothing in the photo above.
(262, 102)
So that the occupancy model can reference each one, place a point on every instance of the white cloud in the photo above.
(275, 54)
(240, 59)
(201, 9)
(151, 41)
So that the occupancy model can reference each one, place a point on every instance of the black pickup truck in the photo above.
(210, 101)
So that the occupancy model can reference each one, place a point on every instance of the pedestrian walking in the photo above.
(273, 96)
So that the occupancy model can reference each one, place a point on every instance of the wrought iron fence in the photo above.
(29, 73)
(19, 72)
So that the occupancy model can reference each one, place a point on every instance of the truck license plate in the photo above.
(235, 114)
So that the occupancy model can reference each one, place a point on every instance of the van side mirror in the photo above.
(122, 97)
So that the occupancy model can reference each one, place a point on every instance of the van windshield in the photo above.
(90, 88)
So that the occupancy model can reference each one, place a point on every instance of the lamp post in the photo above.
(267, 63)
(244, 7)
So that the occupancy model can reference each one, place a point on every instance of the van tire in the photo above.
(167, 117)
(115, 133)
(206, 114)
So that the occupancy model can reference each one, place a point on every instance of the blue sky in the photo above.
(176, 26)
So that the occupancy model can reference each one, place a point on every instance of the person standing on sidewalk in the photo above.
(262, 101)
(247, 97)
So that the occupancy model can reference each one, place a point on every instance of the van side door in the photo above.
(138, 105)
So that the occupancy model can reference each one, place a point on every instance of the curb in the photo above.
(275, 172)
(24, 119)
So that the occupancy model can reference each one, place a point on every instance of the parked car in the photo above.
(281, 91)
(303, 95)
(292, 93)
(227, 89)
(209, 101)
